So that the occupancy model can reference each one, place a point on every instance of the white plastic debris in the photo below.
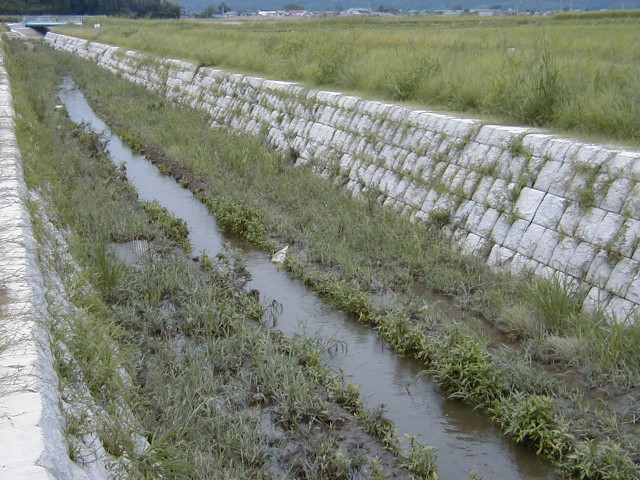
(279, 256)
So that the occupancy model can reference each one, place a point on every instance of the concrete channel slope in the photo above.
(31, 442)
(524, 200)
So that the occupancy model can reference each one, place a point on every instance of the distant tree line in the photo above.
(131, 8)
(211, 10)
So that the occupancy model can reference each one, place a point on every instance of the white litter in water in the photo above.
(279, 256)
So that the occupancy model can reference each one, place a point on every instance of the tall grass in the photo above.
(572, 73)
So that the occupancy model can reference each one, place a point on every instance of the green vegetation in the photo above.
(165, 364)
(573, 73)
(331, 237)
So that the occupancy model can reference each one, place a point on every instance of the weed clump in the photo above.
(238, 218)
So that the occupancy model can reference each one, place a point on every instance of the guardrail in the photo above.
(51, 20)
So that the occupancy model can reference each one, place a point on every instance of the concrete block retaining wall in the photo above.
(523, 199)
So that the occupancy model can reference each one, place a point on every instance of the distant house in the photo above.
(358, 11)
(268, 13)
(297, 13)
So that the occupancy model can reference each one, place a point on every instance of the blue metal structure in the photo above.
(43, 21)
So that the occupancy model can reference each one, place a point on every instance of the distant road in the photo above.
(25, 31)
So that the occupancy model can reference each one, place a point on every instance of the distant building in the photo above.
(297, 13)
(358, 11)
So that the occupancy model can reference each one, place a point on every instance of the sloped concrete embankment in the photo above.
(31, 423)
(523, 199)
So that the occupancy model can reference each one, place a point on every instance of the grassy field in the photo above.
(540, 389)
(570, 73)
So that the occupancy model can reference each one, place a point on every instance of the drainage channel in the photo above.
(466, 441)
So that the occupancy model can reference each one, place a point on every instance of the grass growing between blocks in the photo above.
(351, 249)
(164, 370)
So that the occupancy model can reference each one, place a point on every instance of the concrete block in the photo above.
(449, 174)
(571, 152)
(515, 234)
(501, 229)
(581, 260)
(368, 174)
(473, 156)
(596, 299)
(500, 256)
(633, 293)
(570, 219)
(399, 188)
(348, 102)
(590, 155)
(546, 246)
(470, 183)
(624, 271)
(487, 223)
(388, 182)
(410, 160)
(322, 134)
(563, 253)
(530, 239)
(407, 140)
(444, 202)
(473, 244)
(623, 311)
(600, 269)
(621, 164)
(462, 212)
(498, 194)
(483, 189)
(561, 184)
(608, 229)
(475, 217)
(545, 271)
(414, 195)
(458, 181)
(528, 203)
(325, 115)
(616, 195)
(484, 134)
(631, 206)
(537, 143)
(550, 211)
(522, 265)
(589, 224)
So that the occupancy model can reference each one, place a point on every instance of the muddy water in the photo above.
(465, 440)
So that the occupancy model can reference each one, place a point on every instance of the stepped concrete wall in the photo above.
(525, 200)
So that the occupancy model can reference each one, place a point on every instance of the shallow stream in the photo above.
(466, 441)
